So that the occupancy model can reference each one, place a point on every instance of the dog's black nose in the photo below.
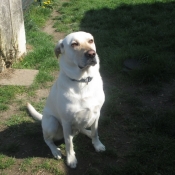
(90, 54)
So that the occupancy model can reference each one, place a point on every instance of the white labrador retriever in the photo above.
(76, 98)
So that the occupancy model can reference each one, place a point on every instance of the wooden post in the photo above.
(12, 33)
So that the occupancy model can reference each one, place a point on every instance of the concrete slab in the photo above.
(18, 77)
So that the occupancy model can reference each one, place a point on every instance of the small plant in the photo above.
(47, 4)
(6, 162)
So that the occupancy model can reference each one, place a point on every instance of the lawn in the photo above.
(137, 123)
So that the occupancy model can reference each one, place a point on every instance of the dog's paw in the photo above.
(71, 161)
(56, 153)
(99, 147)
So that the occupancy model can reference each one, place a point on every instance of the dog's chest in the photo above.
(89, 99)
(85, 117)
(87, 109)
(80, 105)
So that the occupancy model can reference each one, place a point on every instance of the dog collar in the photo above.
(83, 80)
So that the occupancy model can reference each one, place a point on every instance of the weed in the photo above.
(15, 120)
(25, 164)
(3, 107)
(50, 167)
(47, 4)
(6, 162)
(7, 93)
(36, 18)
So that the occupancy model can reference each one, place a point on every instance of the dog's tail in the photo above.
(36, 115)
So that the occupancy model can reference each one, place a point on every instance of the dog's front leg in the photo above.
(95, 138)
(68, 137)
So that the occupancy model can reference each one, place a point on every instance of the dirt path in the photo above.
(49, 29)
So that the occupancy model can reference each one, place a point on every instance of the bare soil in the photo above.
(51, 30)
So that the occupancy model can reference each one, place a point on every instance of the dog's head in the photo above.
(79, 49)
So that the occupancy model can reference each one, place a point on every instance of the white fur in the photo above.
(73, 106)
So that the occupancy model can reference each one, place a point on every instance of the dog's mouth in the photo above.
(81, 67)
(88, 64)
(85, 67)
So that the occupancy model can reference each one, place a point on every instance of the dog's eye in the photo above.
(91, 41)
(74, 44)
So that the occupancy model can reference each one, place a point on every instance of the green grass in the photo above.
(36, 17)
(25, 164)
(151, 155)
(138, 29)
(51, 167)
(137, 120)
(16, 120)
(7, 93)
(6, 162)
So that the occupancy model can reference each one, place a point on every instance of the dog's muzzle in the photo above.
(90, 56)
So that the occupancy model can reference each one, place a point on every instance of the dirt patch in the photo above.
(29, 48)
(42, 93)
(49, 29)
(6, 74)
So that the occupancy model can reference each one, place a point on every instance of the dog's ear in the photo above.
(59, 48)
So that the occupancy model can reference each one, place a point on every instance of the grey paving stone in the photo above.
(19, 77)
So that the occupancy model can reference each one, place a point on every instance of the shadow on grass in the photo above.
(143, 32)
(23, 140)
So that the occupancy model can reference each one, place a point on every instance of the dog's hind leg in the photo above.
(55, 151)
(86, 132)
(52, 130)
